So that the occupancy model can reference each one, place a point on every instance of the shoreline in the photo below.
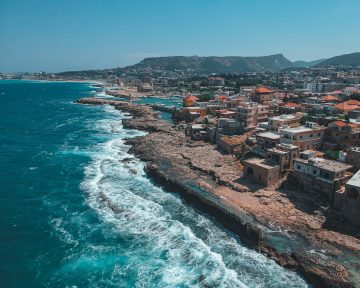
(204, 186)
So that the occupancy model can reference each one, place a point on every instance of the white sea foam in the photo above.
(171, 244)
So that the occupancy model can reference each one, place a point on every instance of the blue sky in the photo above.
(82, 34)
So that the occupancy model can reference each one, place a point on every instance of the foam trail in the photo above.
(168, 244)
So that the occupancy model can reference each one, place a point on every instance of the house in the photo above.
(263, 95)
(347, 106)
(268, 171)
(280, 121)
(330, 98)
(310, 136)
(342, 135)
(197, 131)
(188, 101)
(266, 140)
(349, 201)
(228, 144)
(290, 107)
(261, 171)
(353, 157)
(250, 114)
(320, 175)
(216, 81)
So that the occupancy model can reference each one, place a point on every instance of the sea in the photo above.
(77, 210)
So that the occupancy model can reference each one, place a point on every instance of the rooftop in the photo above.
(329, 165)
(263, 90)
(261, 162)
(269, 135)
(355, 180)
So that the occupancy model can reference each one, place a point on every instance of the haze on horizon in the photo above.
(53, 36)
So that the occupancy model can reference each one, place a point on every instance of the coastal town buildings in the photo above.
(341, 135)
(348, 202)
(263, 95)
(309, 136)
(250, 114)
(319, 175)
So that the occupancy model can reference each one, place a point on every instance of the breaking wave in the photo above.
(164, 242)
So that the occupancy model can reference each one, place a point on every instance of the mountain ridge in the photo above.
(344, 59)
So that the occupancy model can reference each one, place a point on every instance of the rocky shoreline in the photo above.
(284, 224)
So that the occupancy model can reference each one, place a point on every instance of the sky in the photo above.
(61, 35)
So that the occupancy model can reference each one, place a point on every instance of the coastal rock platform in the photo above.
(298, 230)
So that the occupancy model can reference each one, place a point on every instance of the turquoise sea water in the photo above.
(73, 214)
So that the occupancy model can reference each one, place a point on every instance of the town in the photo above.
(297, 125)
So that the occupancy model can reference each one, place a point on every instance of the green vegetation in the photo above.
(207, 96)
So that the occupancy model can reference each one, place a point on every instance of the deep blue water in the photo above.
(72, 214)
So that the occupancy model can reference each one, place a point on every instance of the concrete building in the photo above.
(310, 136)
(266, 140)
(342, 135)
(263, 95)
(261, 171)
(268, 171)
(320, 175)
(216, 81)
(284, 121)
(349, 201)
(353, 157)
(250, 114)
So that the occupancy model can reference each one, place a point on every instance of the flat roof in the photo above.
(269, 135)
(283, 117)
(355, 180)
(330, 165)
(261, 162)
(297, 129)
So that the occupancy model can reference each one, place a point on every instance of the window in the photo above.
(298, 167)
(311, 135)
(314, 172)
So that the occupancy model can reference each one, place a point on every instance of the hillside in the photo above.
(307, 64)
(346, 59)
(214, 64)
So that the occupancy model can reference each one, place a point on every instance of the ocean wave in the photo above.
(169, 244)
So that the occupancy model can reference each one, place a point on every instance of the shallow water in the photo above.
(77, 210)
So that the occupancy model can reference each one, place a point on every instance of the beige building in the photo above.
(277, 164)
(310, 136)
(320, 175)
(275, 123)
(353, 157)
(250, 114)
(349, 201)
(263, 95)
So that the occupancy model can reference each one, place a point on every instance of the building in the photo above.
(283, 155)
(353, 157)
(290, 108)
(349, 201)
(250, 114)
(347, 106)
(268, 171)
(263, 95)
(188, 101)
(216, 81)
(261, 171)
(266, 140)
(310, 136)
(275, 123)
(197, 131)
(320, 175)
(342, 135)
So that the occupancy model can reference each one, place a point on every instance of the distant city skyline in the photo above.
(65, 35)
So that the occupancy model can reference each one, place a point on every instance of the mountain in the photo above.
(214, 64)
(346, 59)
(307, 64)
